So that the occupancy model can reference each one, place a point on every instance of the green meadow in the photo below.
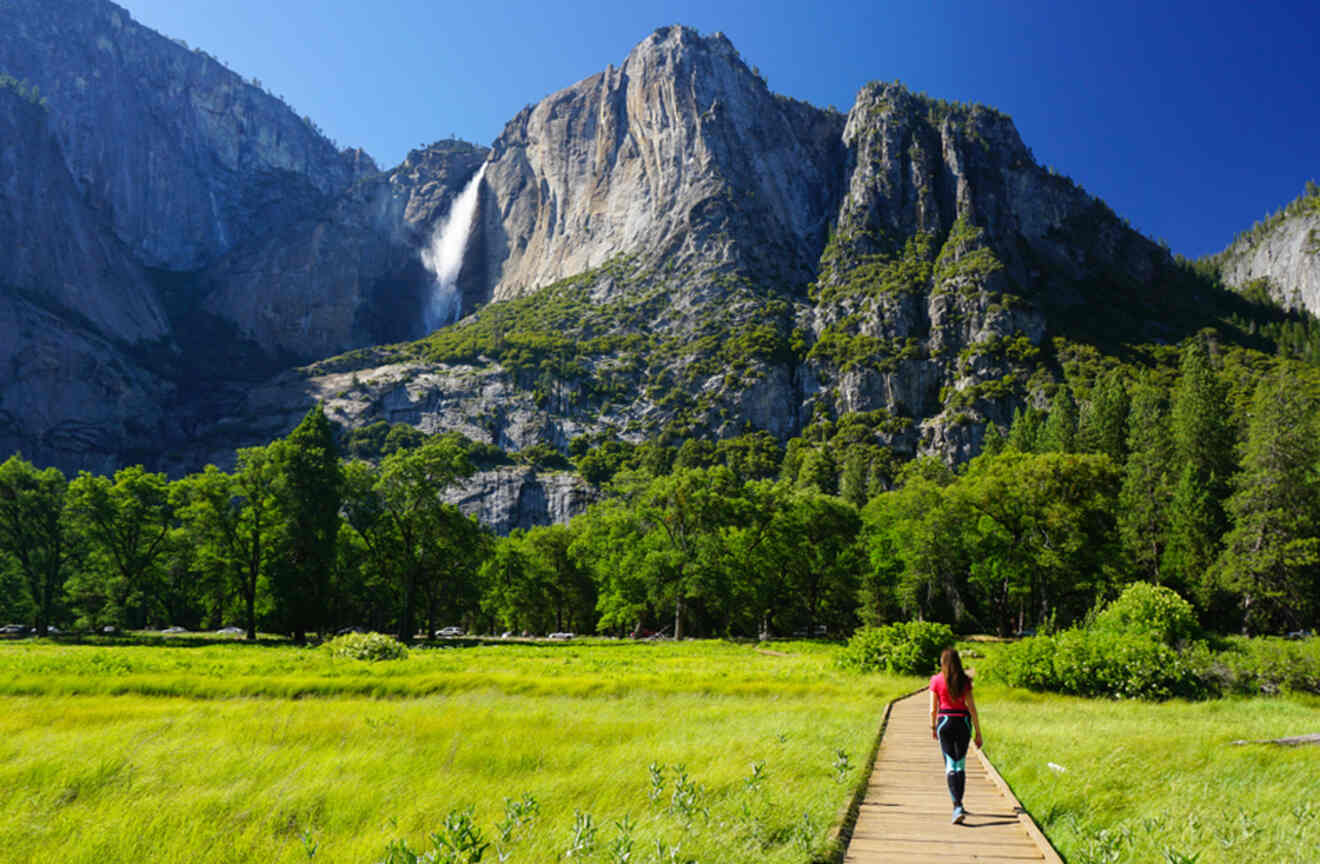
(1161, 782)
(593, 751)
(606, 752)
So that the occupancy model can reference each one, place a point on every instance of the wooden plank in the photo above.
(904, 815)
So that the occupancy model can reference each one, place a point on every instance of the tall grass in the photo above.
(201, 757)
(1144, 782)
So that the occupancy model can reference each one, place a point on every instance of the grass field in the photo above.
(1144, 782)
(258, 753)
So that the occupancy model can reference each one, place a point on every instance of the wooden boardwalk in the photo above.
(905, 815)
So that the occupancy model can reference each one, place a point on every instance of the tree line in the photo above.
(1200, 477)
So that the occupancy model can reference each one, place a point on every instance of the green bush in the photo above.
(906, 647)
(1099, 662)
(1266, 665)
(1150, 609)
(367, 646)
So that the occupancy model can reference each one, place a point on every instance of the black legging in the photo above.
(955, 733)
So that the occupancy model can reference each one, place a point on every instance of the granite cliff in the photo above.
(1281, 254)
(665, 249)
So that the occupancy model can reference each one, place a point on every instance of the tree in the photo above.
(228, 522)
(1103, 426)
(402, 519)
(812, 541)
(570, 593)
(33, 533)
(1025, 429)
(1203, 441)
(125, 522)
(1148, 481)
(1059, 434)
(1041, 531)
(682, 515)
(1272, 554)
(307, 487)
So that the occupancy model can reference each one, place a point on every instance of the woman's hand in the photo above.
(978, 738)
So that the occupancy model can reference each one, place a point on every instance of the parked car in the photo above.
(560, 635)
(13, 629)
(169, 631)
(231, 631)
(449, 632)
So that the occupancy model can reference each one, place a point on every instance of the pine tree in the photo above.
(1203, 442)
(1059, 434)
(1143, 502)
(309, 489)
(1272, 553)
(1025, 429)
(1103, 427)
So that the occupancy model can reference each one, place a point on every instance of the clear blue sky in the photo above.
(1191, 119)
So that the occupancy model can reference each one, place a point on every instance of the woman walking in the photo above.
(952, 718)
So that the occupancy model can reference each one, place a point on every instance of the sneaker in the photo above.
(958, 815)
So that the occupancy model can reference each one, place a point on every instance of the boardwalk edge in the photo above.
(841, 836)
(1033, 830)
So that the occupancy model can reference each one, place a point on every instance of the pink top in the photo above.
(941, 690)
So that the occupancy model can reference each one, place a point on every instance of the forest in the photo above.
(1196, 472)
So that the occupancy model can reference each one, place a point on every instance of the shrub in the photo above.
(1029, 663)
(1267, 665)
(367, 646)
(1150, 609)
(1099, 662)
(906, 647)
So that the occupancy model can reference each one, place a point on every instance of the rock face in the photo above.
(1286, 254)
(187, 231)
(71, 308)
(663, 248)
(677, 155)
(186, 158)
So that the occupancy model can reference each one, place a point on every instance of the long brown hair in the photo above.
(955, 679)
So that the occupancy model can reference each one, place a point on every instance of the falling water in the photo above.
(444, 256)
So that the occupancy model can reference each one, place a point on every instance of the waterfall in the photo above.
(444, 256)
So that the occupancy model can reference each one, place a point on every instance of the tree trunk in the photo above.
(678, 616)
(406, 627)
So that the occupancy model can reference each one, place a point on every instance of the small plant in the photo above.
(621, 849)
(1173, 856)
(686, 797)
(657, 781)
(583, 842)
(804, 832)
(841, 766)
(309, 845)
(517, 814)
(461, 841)
(753, 783)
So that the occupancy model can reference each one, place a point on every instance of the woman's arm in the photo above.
(976, 718)
(934, 710)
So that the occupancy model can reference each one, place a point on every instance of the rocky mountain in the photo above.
(186, 233)
(1281, 254)
(666, 250)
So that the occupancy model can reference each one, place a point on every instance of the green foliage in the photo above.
(905, 647)
(366, 646)
(1264, 665)
(846, 272)
(1099, 662)
(25, 90)
(965, 261)
(1152, 610)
